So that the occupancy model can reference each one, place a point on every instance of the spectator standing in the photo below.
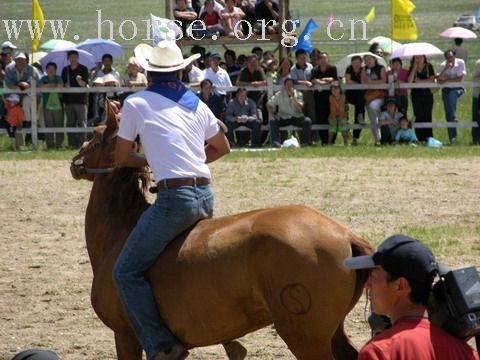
(389, 121)
(233, 68)
(242, 111)
(460, 51)
(75, 75)
(192, 75)
(231, 16)
(374, 73)
(476, 105)
(285, 109)
(108, 69)
(217, 75)
(353, 75)
(186, 15)
(399, 285)
(301, 73)
(338, 116)
(52, 106)
(451, 70)
(324, 74)
(133, 77)
(422, 71)
(283, 70)
(216, 102)
(400, 76)
(252, 75)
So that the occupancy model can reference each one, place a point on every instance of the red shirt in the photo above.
(416, 339)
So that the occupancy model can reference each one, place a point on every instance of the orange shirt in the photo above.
(337, 106)
(416, 339)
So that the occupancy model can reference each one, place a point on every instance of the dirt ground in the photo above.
(45, 274)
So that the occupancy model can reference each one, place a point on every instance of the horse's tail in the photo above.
(360, 247)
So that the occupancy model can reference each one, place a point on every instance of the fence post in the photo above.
(33, 112)
(269, 91)
(391, 85)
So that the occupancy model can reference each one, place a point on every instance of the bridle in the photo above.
(77, 164)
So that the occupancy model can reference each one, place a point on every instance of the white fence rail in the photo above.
(270, 88)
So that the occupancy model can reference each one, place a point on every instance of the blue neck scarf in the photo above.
(173, 89)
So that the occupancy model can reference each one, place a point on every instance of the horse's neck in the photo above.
(105, 225)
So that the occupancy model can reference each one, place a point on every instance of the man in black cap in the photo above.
(399, 286)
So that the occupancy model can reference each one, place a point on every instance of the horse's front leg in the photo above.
(235, 350)
(128, 347)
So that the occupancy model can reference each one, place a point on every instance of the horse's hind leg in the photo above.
(342, 346)
(235, 350)
(128, 347)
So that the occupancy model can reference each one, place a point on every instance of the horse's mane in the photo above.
(126, 191)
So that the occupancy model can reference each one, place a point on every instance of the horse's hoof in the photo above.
(235, 350)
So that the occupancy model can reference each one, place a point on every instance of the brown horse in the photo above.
(226, 276)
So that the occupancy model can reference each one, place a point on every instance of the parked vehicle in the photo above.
(468, 21)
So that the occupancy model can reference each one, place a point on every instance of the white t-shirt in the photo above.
(458, 70)
(219, 78)
(195, 75)
(172, 136)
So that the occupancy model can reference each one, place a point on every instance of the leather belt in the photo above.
(169, 183)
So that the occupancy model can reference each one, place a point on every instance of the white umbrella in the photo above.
(100, 47)
(59, 57)
(407, 51)
(54, 44)
(344, 63)
(385, 43)
(458, 32)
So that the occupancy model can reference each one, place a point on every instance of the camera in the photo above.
(454, 303)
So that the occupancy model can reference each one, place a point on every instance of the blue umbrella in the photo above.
(59, 57)
(100, 47)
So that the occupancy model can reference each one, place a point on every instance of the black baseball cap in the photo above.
(399, 255)
(36, 354)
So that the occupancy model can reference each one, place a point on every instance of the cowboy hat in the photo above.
(165, 57)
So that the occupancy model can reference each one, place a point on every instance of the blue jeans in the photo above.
(174, 210)
(450, 97)
(476, 117)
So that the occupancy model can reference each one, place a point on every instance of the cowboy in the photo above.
(399, 287)
(173, 126)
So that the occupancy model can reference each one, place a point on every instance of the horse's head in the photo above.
(97, 155)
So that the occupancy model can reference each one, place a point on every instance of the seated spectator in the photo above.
(285, 109)
(267, 10)
(252, 75)
(356, 97)
(217, 75)
(242, 111)
(400, 76)
(389, 121)
(233, 69)
(107, 62)
(338, 117)
(399, 286)
(248, 8)
(133, 77)
(52, 106)
(212, 21)
(231, 16)
(451, 70)
(192, 75)
(217, 7)
(215, 102)
(406, 134)
(186, 15)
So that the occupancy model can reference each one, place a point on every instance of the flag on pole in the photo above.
(37, 16)
(371, 15)
(403, 24)
(164, 29)
(305, 38)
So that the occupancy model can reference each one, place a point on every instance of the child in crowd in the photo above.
(389, 121)
(406, 134)
(338, 118)
(13, 118)
(231, 16)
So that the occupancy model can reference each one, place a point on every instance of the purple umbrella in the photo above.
(100, 47)
(406, 51)
(59, 57)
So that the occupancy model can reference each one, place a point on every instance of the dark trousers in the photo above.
(476, 117)
(422, 103)
(76, 117)
(357, 99)
(402, 101)
(322, 107)
(255, 126)
(303, 122)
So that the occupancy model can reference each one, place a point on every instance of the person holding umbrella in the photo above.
(451, 70)
(422, 71)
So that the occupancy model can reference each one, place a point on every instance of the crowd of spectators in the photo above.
(251, 109)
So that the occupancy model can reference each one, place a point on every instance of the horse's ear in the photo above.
(112, 108)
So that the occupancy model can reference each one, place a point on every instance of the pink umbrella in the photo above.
(458, 32)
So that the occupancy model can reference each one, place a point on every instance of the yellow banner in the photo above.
(403, 24)
(37, 15)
